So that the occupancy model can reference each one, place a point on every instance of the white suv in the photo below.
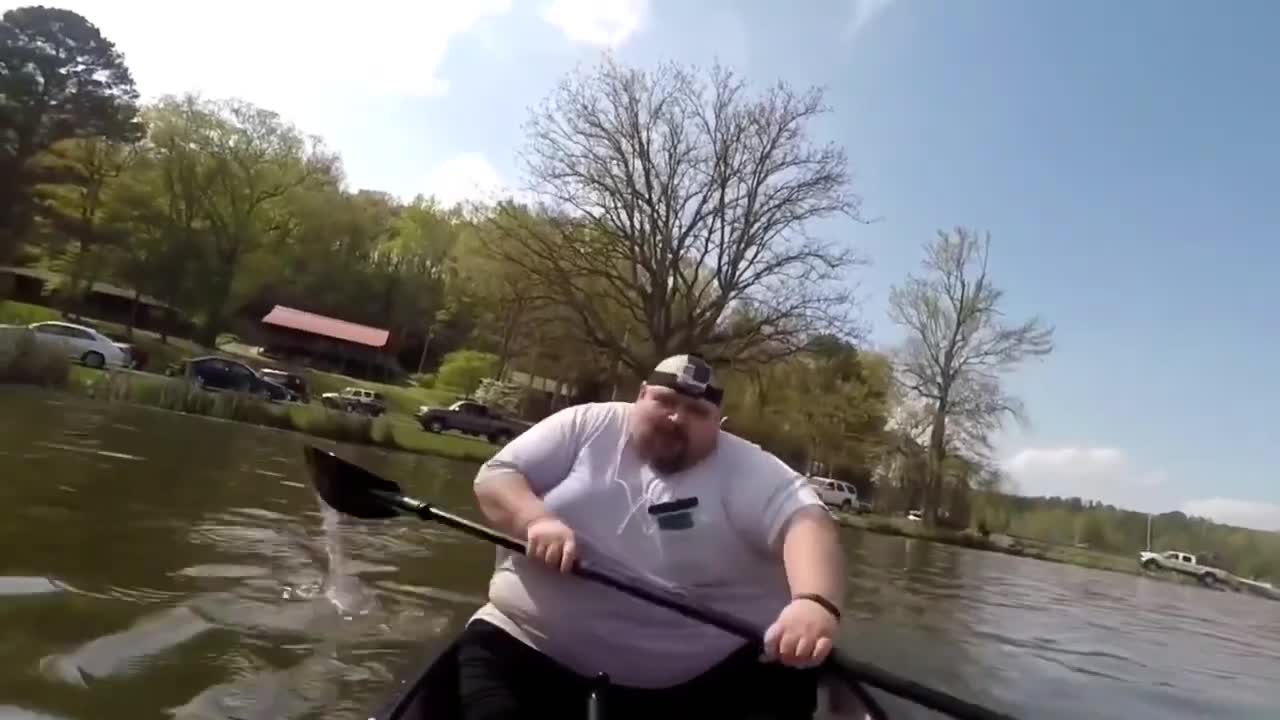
(837, 494)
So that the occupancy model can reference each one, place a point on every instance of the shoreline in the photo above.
(997, 543)
(1027, 548)
(390, 431)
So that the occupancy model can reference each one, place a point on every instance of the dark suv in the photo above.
(218, 373)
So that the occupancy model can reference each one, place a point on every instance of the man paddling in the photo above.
(656, 491)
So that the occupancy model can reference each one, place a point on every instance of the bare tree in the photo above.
(958, 348)
(674, 211)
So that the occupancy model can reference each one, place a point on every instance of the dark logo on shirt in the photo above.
(674, 514)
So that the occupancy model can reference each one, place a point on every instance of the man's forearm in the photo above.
(813, 556)
(507, 501)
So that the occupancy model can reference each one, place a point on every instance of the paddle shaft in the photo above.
(854, 670)
(426, 511)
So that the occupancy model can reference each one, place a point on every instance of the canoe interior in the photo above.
(429, 691)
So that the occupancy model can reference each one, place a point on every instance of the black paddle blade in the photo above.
(349, 488)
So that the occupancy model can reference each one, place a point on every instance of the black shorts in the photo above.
(501, 678)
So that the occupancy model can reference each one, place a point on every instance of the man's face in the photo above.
(674, 431)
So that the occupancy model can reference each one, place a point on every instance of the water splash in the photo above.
(340, 586)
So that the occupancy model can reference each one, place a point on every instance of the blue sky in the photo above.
(1123, 157)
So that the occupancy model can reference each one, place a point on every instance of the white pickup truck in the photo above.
(1184, 563)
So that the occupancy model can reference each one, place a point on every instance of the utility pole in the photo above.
(1148, 532)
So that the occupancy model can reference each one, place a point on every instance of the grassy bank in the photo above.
(1021, 547)
(22, 362)
(402, 399)
(391, 431)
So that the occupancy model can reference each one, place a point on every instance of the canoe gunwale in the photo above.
(428, 690)
(430, 682)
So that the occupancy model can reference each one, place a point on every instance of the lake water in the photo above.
(155, 565)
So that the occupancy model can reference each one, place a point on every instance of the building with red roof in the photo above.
(328, 342)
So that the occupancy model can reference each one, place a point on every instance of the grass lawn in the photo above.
(402, 399)
(410, 436)
(16, 313)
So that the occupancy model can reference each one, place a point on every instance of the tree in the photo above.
(510, 306)
(463, 370)
(157, 208)
(681, 208)
(60, 79)
(74, 211)
(253, 160)
(958, 348)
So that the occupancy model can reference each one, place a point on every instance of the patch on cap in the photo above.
(688, 375)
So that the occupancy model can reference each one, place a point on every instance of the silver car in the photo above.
(82, 344)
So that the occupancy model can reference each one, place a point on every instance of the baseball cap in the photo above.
(688, 375)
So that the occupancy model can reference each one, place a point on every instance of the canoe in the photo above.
(429, 691)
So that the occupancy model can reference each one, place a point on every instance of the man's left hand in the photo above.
(802, 636)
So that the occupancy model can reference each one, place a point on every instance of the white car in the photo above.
(83, 344)
(837, 494)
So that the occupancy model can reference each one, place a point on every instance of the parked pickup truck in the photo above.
(1184, 563)
(471, 418)
(356, 400)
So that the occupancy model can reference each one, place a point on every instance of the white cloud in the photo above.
(1092, 473)
(291, 56)
(864, 13)
(465, 176)
(1245, 513)
(600, 23)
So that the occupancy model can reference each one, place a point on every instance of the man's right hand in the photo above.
(551, 542)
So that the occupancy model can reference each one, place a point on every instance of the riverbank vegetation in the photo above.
(389, 431)
(669, 210)
(1087, 524)
(1022, 546)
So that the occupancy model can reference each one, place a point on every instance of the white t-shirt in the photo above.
(722, 553)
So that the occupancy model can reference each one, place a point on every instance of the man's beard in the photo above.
(666, 452)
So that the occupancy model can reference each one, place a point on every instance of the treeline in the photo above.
(1073, 521)
(671, 210)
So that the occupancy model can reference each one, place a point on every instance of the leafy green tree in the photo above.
(60, 80)
(78, 233)
(464, 369)
(156, 208)
(822, 411)
(253, 160)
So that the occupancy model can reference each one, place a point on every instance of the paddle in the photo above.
(353, 490)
